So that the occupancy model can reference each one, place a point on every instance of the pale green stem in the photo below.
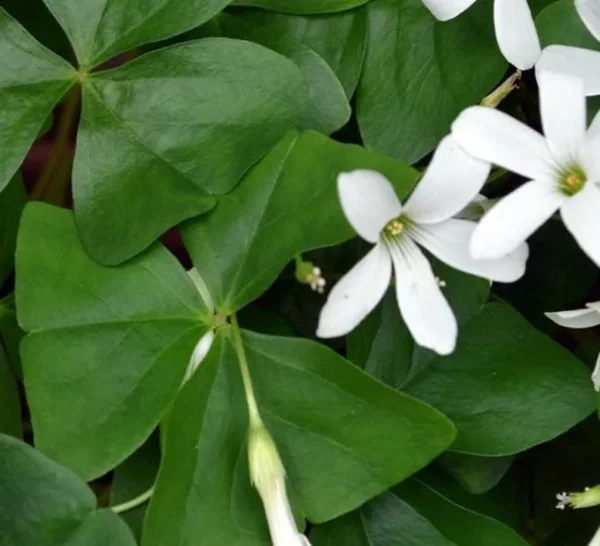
(133, 503)
(254, 414)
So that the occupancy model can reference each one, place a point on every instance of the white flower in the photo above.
(372, 208)
(515, 29)
(563, 169)
(268, 476)
(581, 318)
(576, 61)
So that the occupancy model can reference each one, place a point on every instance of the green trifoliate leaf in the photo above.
(100, 29)
(107, 347)
(419, 74)
(303, 6)
(328, 109)
(323, 414)
(12, 201)
(288, 204)
(32, 81)
(45, 504)
(161, 133)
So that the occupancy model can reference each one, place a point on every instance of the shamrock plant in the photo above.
(299, 272)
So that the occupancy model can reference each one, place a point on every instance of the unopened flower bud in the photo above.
(308, 273)
(586, 499)
(267, 474)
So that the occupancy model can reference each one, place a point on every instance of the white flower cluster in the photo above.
(562, 168)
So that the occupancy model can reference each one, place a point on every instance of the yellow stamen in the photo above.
(395, 227)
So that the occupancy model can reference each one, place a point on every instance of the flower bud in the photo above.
(586, 499)
(267, 474)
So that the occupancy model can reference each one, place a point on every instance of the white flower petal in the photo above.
(578, 318)
(444, 10)
(516, 33)
(589, 11)
(575, 61)
(581, 215)
(368, 201)
(494, 136)
(356, 294)
(282, 526)
(452, 179)
(513, 219)
(422, 305)
(596, 381)
(449, 241)
(564, 114)
(589, 156)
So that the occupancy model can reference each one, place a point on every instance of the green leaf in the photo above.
(303, 6)
(287, 204)
(160, 133)
(45, 504)
(101, 29)
(461, 526)
(10, 406)
(11, 333)
(475, 474)
(107, 347)
(134, 477)
(349, 422)
(328, 109)
(339, 38)
(414, 514)
(419, 73)
(32, 81)
(507, 386)
(386, 521)
(560, 23)
(12, 201)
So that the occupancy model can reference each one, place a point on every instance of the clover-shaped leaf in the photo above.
(329, 420)
(100, 373)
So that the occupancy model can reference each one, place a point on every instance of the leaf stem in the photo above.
(254, 414)
(133, 503)
(56, 163)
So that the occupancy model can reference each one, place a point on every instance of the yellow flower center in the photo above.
(395, 227)
(573, 180)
